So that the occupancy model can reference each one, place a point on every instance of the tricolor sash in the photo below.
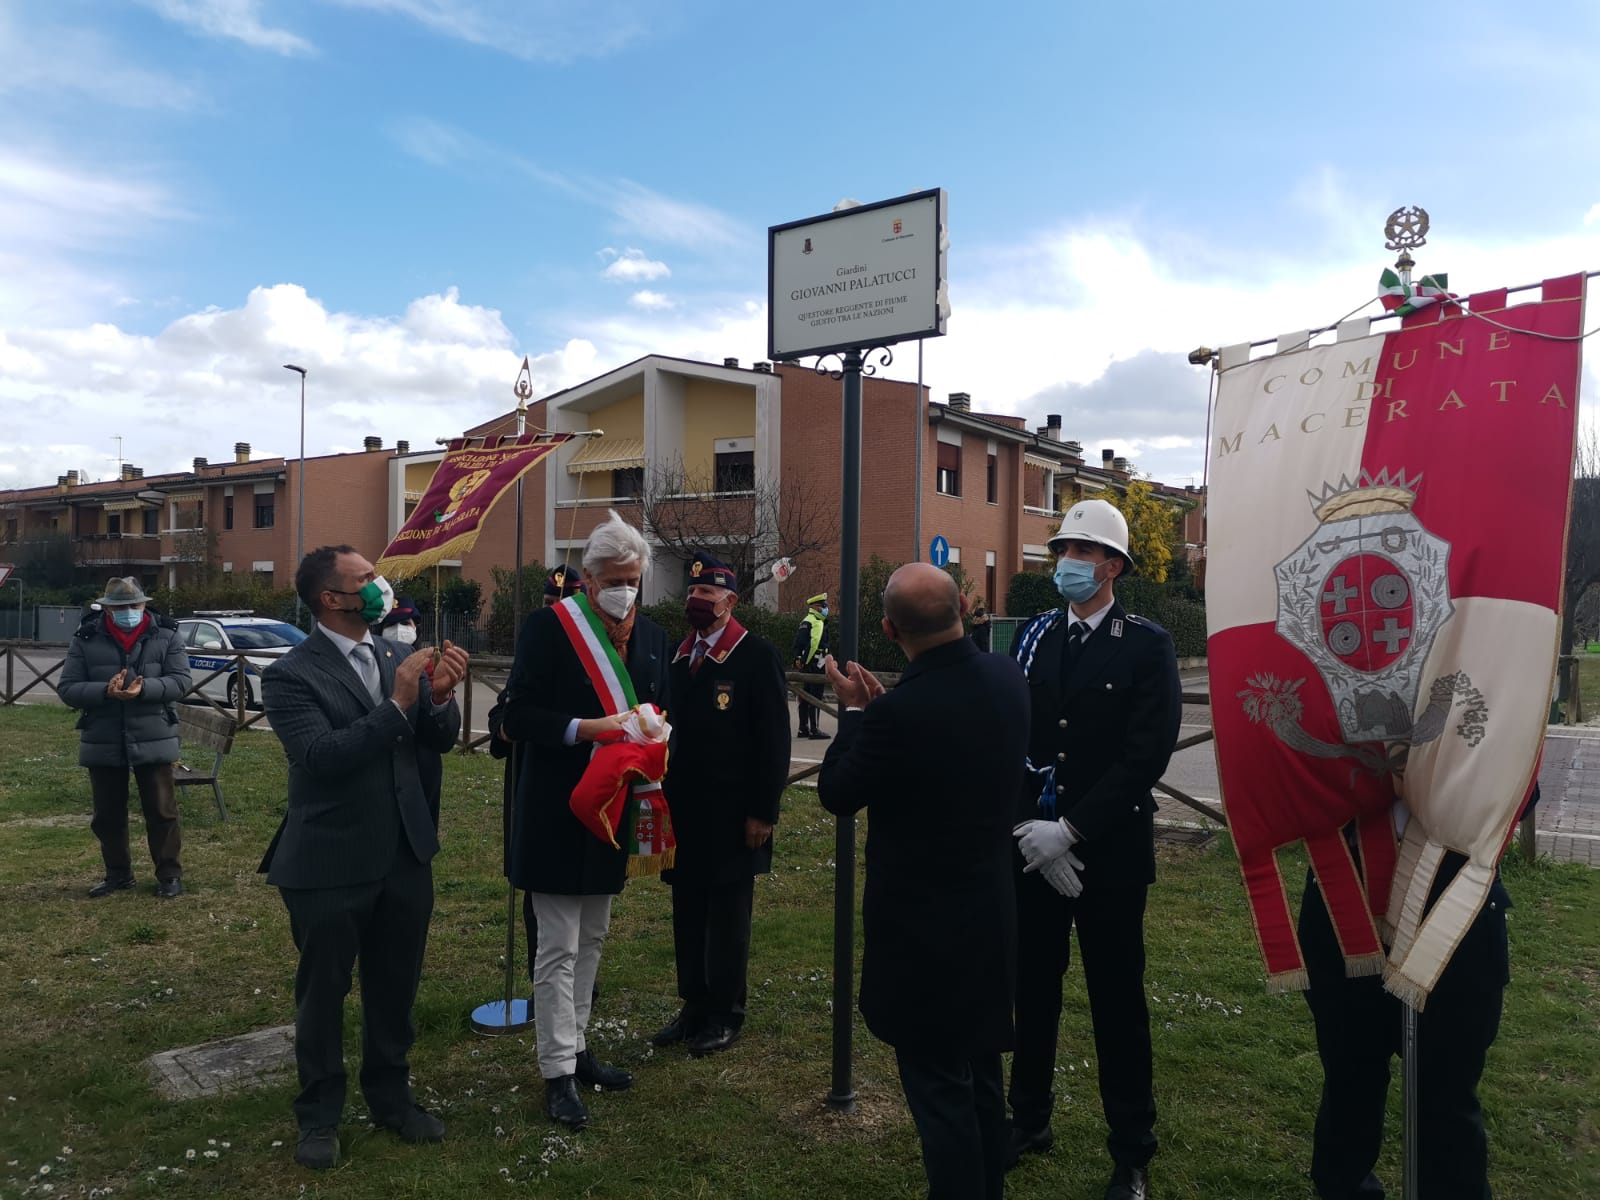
(621, 787)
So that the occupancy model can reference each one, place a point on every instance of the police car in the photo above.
(214, 637)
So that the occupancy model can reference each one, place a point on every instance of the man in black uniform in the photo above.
(1359, 1028)
(730, 762)
(810, 648)
(1106, 708)
(939, 910)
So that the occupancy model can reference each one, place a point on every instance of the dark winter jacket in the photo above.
(126, 733)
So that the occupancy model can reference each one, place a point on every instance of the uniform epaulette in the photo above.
(1145, 621)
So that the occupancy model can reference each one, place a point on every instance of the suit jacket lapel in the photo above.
(388, 661)
(1099, 650)
(341, 669)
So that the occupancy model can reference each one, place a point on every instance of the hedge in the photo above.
(1032, 592)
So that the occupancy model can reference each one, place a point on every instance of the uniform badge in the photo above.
(1116, 626)
(724, 696)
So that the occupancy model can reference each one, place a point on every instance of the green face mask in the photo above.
(377, 598)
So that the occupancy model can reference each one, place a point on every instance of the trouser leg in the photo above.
(162, 829)
(530, 926)
(989, 1099)
(594, 920)
(325, 923)
(1111, 942)
(727, 948)
(1357, 1025)
(108, 787)
(939, 1093)
(1044, 948)
(690, 905)
(393, 940)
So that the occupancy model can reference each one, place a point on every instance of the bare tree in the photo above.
(752, 521)
(1583, 535)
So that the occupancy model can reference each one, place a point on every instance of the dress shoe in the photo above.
(684, 1026)
(169, 889)
(318, 1148)
(591, 1072)
(416, 1125)
(804, 733)
(106, 886)
(713, 1039)
(1027, 1141)
(562, 1102)
(1128, 1183)
(818, 736)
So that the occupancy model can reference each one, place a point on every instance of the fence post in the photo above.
(11, 653)
(1576, 707)
(466, 710)
(240, 684)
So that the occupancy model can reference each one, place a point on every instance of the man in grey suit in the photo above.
(352, 855)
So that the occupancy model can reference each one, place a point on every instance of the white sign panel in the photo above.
(867, 276)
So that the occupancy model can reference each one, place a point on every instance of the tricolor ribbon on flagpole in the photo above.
(1402, 298)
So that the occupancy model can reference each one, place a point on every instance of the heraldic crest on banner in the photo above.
(1364, 597)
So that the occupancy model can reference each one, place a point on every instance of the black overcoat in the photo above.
(936, 762)
(1108, 726)
(550, 850)
(730, 756)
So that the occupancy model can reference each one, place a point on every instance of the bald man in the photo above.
(939, 909)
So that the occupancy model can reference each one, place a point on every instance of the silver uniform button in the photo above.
(1061, 758)
(1062, 723)
(1061, 789)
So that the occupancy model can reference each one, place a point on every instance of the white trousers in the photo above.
(572, 931)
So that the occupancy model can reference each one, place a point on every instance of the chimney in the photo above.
(961, 401)
(372, 443)
(127, 472)
(72, 479)
(138, 472)
(1052, 422)
(764, 367)
(1105, 459)
(241, 452)
(199, 465)
(1120, 464)
(402, 447)
(730, 362)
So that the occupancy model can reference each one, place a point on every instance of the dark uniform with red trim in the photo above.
(730, 762)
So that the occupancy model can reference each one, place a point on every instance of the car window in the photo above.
(207, 636)
(186, 630)
(269, 636)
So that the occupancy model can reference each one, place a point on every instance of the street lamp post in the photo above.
(300, 504)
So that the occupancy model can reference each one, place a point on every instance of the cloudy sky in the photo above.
(407, 196)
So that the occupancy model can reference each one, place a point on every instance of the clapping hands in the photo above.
(856, 688)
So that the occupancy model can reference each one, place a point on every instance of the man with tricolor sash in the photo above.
(586, 696)
(730, 766)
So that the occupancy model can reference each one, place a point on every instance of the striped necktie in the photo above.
(697, 654)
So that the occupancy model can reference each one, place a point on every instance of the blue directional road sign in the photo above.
(939, 551)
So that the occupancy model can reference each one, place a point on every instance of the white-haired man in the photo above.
(558, 702)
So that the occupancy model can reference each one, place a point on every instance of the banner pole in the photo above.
(1408, 1090)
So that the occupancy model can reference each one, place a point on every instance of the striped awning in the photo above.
(180, 497)
(607, 454)
(123, 505)
(1040, 464)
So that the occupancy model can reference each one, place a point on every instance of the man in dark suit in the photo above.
(730, 764)
(554, 708)
(1106, 708)
(939, 910)
(352, 856)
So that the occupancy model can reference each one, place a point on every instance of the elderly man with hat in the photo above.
(126, 669)
(810, 649)
(1106, 708)
(729, 769)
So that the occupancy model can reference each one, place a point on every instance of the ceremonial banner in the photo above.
(466, 486)
(1387, 521)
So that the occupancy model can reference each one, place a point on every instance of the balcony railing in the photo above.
(117, 548)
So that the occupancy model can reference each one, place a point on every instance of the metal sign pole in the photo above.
(842, 1097)
(1409, 1068)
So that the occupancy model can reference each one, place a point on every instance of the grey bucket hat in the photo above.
(123, 591)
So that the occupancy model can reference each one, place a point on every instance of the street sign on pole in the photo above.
(5, 572)
(939, 551)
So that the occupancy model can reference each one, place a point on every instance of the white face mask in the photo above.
(406, 635)
(616, 602)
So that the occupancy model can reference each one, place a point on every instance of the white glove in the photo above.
(1041, 841)
(1062, 874)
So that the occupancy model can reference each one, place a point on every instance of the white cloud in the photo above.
(438, 368)
(1592, 217)
(647, 299)
(637, 210)
(239, 20)
(632, 266)
(51, 62)
(532, 30)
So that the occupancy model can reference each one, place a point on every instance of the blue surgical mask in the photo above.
(1075, 580)
(823, 610)
(127, 618)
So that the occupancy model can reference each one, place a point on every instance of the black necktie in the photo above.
(1076, 636)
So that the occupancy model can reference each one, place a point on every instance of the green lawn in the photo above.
(92, 988)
